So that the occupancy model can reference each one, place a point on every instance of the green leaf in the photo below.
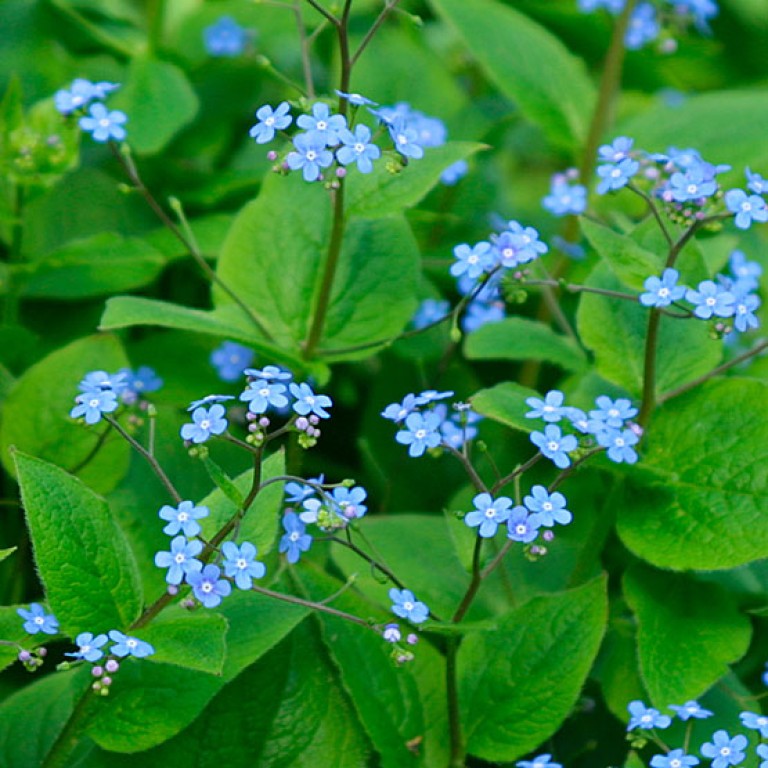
(519, 338)
(4, 553)
(630, 262)
(94, 266)
(688, 633)
(190, 640)
(89, 573)
(159, 102)
(615, 330)
(699, 496)
(285, 231)
(223, 481)
(505, 402)
(616, 668)
(530, 671)
(382, 193)
(36, 414)
(527, 64)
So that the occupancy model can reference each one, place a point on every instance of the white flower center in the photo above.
(490, 513)
(269, 122)
(242, 563)
(321, 125)
(547, 506)
(711, 301)
(205, 424)
(94, 402)
(311, 155)
(294, 536)
(39, 620)
(663, 293)
(359, 148)
(420, 434)
(180, 557)
(207, 586)
(408, 605)
(691, 189)
(183, 517)
(131, 642)
(104, 122)
(552, 445)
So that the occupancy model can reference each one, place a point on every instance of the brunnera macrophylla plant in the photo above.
(347, 511)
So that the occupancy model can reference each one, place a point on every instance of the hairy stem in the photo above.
(458, 749)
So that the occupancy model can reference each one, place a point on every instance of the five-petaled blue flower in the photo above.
(619, 149)
(295, 540)
(356, 99)
(711, 299)
(269, 373)
(323, 127)
(523, 242)
(230, 360)
(756, 183)
(80, 93)
(421, 432)
(691, 709)
(125, 645)
(224, 38)
(358, 148)
(724, 750)
(676, 758)
(406, 606)
(661, 292)
(37, 620)
(139, 382)
(183, 518)
(755, 722)
(270, 121)
(748, 208)
(206, 422)
(746, 273)
(646, 717)
(612, 413)
(350, 502)
(261, 394)
(744, 316)
(310, 155)
(550, 507)
(472, 261)
(398, 411)
(181, 560)
(307, 402)
(405, 138)
(554, 445)
(89, 647)
(208, 587)
(616, 176)
(619, 443)
(522, 526)
(762, 751)
(488, 514)
(91, 405)
(104, 125)
(550, 408)
(239, 562)
(691, 185)
(564, 198)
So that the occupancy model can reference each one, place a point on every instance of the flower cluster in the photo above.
(102, 392)
(428, 424)
(269, 392)
(566, 196)
(225, 38)
(183, 566)
(651, 21)
(103, 125)
(329, 511)
(609, 424)
(400, 652)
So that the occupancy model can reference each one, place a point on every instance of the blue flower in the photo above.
(104, 125)
(261, 394)
(550, 408)
(296, 493)
(518, 245)
(295, 540)
(209, 400)
(756, 183)
(643, 27)
(488, 514)
(349, 502)
(209, 589)
(239, 562)
(472, 261)
(618, 150)
(661, 292)
(89, 647)
(454, 173)
(746, 273)
(406, 606)
(356, 99)
(421, 432)
(744, 316)
(206, 422)
(230, 360)
(430, 311)
(691, 185)
(646, 717)
(125, 645)
(405, 139)
(224, 38)
(711, 299)
(564, 198)
(619, 444)
(358, 148)
(80, 93)
(37, 620)
(724, 750)
(762, 751)
(323, 127)
(480, 313)
(269, 373)
(91, 405)
(310, 155)
(183, 518)
(554, 445)
(542, 761)
(578, 419)
(392, 633)
(433, 395)
(139, 382)
(748, 208)
(676, 758)
(180, 560)
(398, 411)
(521, 526)
(755, 722)
(101, 381)
(270, 121)
(612, 413)
(691, 709)
(616, 176)
(550, 507)
(308, 402)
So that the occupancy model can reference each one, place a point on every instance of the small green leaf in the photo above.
(89, 573)
(519, 338)
(383, 193)
(223, 482)
(505, 402)
(4, 553)
(159, 102)
(688, 633)
(698, 498)
(529, 671)
(528, 64)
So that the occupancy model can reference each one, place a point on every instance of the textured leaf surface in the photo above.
(519, 338)
(688, 633)
(615, 330)
(83, 559)
(529, 671)
(699, 499)
(527, 64)
(505, 402)
(36, 413)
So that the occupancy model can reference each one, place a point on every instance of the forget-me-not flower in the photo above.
(488, 514)
(206, 422)
(103, 124)
(37, 620)
(295, 540)
(270, 121)
(406, 606)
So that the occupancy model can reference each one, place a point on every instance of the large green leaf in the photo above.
(529, 671)
(275, 255)
(699, 498)
(159, 102)
(615, 330)
(89, 573)
(505, 402)
(519, 338)
(528, 64)
(688, 633)
(36, 414)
